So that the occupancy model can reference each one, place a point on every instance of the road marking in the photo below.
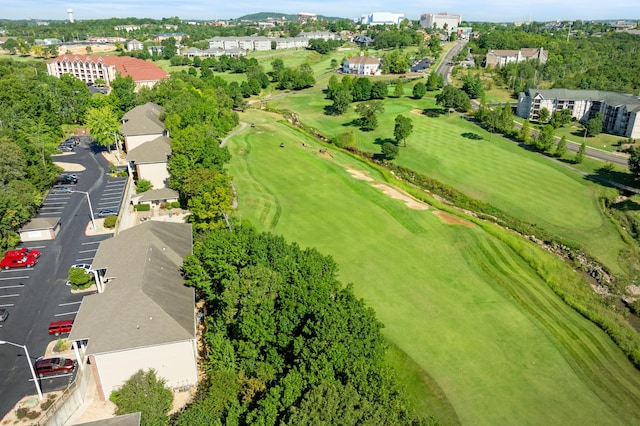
(53, 377)
(46, 213)
(10, 295)
(70, 303)
(49, 208)
(38, 247)
(91, 242)
(8, 305)
(87, 251)
(83, 259)
(111, 198)
(66, 313)
(12, 278)
(12, 286)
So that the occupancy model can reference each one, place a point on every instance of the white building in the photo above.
(621, 112)
(440, 20)
(382, 18)
(145, 318)
(362, 65)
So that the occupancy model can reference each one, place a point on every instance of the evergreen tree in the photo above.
(561, 149)
(398, 91)
(580, 154)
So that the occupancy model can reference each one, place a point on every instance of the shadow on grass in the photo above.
(353, 123)
(381, 141)
(627, 205)
(434, 112)
(472, 136)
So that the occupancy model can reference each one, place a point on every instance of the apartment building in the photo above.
(441, 20)
(502, 57)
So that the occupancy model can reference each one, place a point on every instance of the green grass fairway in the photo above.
(520, 183)
(460, 303)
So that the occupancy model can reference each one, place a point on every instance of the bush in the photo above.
(143, 185)
(62, 345)
(124, 173)
(142, 207)
(110, 221)
(79, 278)
(48, 403)
(175, 204)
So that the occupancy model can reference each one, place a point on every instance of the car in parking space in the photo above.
(4, 314)
(61, 189)
(59, 365)
(84, 266)
(23, 251)
(60, 327)
(66, 180)
(107, 212)
(9, 262)
(65, 148)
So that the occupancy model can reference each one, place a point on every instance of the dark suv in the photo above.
(46, 366)
(66, 180)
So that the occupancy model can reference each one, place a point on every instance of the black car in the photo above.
(66, 180)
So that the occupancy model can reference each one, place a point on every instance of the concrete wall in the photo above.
(156, 173)
(175, 362)
(71, 400)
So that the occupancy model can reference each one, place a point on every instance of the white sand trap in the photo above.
(359, 175)
(394, 193)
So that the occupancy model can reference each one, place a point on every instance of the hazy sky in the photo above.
(471, 10)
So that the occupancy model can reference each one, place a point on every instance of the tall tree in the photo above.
(402, 129)
(594, 125)
(419, 90)
(103, 124)
(543, 115)
(341, 101)
(634, 162)
(146, 393)
(561, 148)
(398, 90)
(580, 154)
(525, 132)
(368, 114)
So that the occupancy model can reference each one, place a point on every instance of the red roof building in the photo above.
(90, 68)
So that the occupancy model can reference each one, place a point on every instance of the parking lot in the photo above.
(36, 296)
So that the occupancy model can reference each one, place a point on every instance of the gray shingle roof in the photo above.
(145, 302)
(143, 120)
(40, 223)
(159, 194)
(611, 98)
(154, 151)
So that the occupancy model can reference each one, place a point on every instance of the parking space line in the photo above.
(50, 208)
(84, 259)
(12, 286)
(12, 278)
(91, 242)
(111, 198)
(10, 295)
(88, 250)
(66, 313)
(55, 212)
(70, 303)
(8, 305)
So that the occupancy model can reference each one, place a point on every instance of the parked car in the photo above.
(23, 251)
(65, 148)
(4, 314)
(60, 327)
(107, 212)
(66, 180)
(61, 189)
(84, 266)
(47, 366)
(17, 262)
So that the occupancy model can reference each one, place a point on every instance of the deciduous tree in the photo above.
(402, 129)
(146, 393)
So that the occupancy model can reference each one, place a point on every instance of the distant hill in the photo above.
(262, 16)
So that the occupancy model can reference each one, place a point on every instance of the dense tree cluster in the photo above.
(452, 97)
(389, 37)
(395, 62)
(291, 78)
(144, 393)
(324, 46)
(350, 89)
(287, 342)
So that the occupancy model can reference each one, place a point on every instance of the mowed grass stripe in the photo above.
(594, 361)
(496, 362)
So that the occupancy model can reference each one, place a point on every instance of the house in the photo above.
(91, 68)
(304, 17)
(134, 45)
(502, 57)
(244, 43)
(126, 28)
(155, 197)
(145, 318)
(150, 159)
(362, 40)
(164, 36)
(621, 112)
(142, 124)
(382, 18)
(362, 65)
(324, 35)
(440, 20)
(291, 42)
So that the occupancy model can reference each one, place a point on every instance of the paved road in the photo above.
(34, 297)
(445, 70)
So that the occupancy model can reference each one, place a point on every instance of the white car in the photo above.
(84, 266)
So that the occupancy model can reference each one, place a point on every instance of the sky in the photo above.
(471, 10)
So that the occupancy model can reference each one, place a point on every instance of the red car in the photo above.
(17, 262)
(46, 366)
(60, 327)
(23, 251)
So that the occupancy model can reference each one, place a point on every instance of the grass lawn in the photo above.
(493, 169)
(459, 303)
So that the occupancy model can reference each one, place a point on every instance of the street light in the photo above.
(115, 142)
(93, 221)
(33, 373)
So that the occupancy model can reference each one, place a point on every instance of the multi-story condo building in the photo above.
(440, 20)
(382, 18)
(256, 43)
(91, 68)
(621, 112)
(503, 57)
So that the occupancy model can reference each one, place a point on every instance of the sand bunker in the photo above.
(69, 167)
(416, 111)
(359, 175)
(450, 219)
(394, 193)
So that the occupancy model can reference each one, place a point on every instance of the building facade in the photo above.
(621, 112)
(362, 65)
(502, 57)
(441, 20)
(382, 18)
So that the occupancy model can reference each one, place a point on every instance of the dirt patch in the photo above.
(356, 174)
(416, 111)
(450, 219)
(69, 167)
(396, 194)
(325, 154)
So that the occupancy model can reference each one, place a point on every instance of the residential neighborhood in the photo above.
(333, 214)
